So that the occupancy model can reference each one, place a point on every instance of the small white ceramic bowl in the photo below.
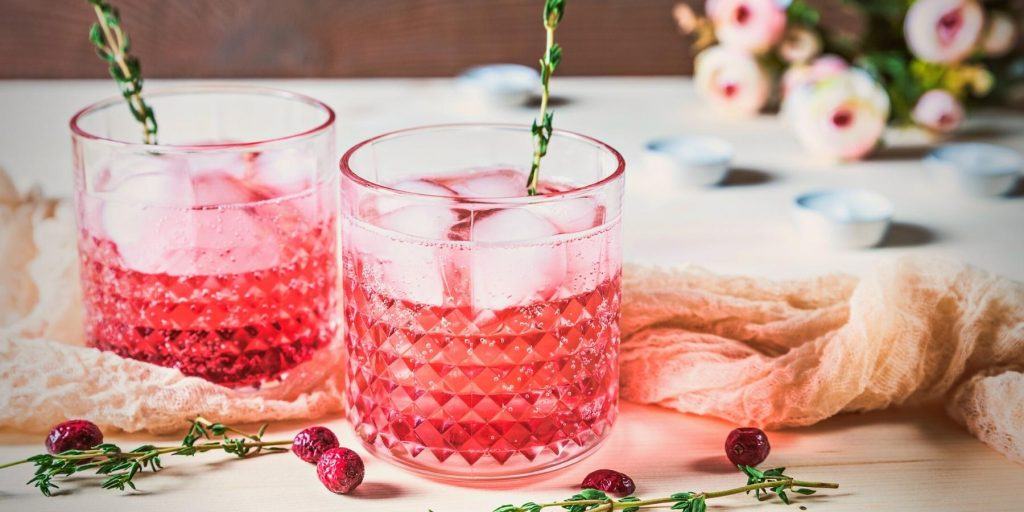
(499, 84)
(843, 218)
(977, 168)
(691, 161)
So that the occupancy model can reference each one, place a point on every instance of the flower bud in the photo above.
(1000, 34)
(799, 45)
(938, 111)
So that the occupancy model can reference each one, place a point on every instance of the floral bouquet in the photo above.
(900, 62)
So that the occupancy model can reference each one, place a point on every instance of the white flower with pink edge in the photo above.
(943, 31)
(732, 80)
(840, 117)
(753, 25)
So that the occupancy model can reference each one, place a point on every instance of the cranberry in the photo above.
(608, 480)
(340, 470)
(73, 435)
(310, 444)
(747, 446)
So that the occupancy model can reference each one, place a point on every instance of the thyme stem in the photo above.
(120, 467)
(767, 482)
(112, 45)
(15, 463)
(541, 129)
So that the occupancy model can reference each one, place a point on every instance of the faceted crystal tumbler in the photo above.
(214, 251)
(481, 322)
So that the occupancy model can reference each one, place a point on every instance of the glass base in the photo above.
(454, 473)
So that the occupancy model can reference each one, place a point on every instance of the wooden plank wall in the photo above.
(341, 38)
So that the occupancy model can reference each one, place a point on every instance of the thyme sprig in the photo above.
(541, 128)
(764, 484)
(112, 45)
(121, 467)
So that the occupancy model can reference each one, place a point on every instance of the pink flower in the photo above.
(944, 31)
(1000, 34)
(938, 110)
(842, 116)
(732, 80)
(753, 25)
(804, 74)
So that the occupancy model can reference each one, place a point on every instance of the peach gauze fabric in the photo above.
(774, 353)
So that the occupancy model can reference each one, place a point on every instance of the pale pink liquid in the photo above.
(472, 378)
(235, 284)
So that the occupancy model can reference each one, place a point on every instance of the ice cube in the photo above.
(386, 203)
(585, 255)
(489, 183)
(225, 241)
(511, 274)
(236, 164)
(153, 220)
(572, 215)
(286, 171)
(166, 182)
(412, 270)
(214, 189)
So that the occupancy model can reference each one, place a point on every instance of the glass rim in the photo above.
(348, 173)
(177, 90)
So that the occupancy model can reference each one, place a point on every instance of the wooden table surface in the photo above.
(896, 460)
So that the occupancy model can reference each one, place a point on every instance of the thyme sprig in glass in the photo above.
(113, 46)
(121, 467)
(541, 128)
(764, 484)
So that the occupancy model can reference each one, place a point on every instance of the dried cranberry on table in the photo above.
(310, 444)
(747, 446)
(609, 481)
(73, 435)
(340, 470)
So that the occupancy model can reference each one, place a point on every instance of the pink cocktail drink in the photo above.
(482, 324)
(218, 259)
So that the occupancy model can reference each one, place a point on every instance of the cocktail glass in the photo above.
(213, 252)
(481, 323)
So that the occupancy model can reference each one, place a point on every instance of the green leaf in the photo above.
(802, 13)
(751, 471)
(555, 56)
(592, 494)
(554, 10)
(805, 492)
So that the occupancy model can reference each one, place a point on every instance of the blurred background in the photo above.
(354, 38)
